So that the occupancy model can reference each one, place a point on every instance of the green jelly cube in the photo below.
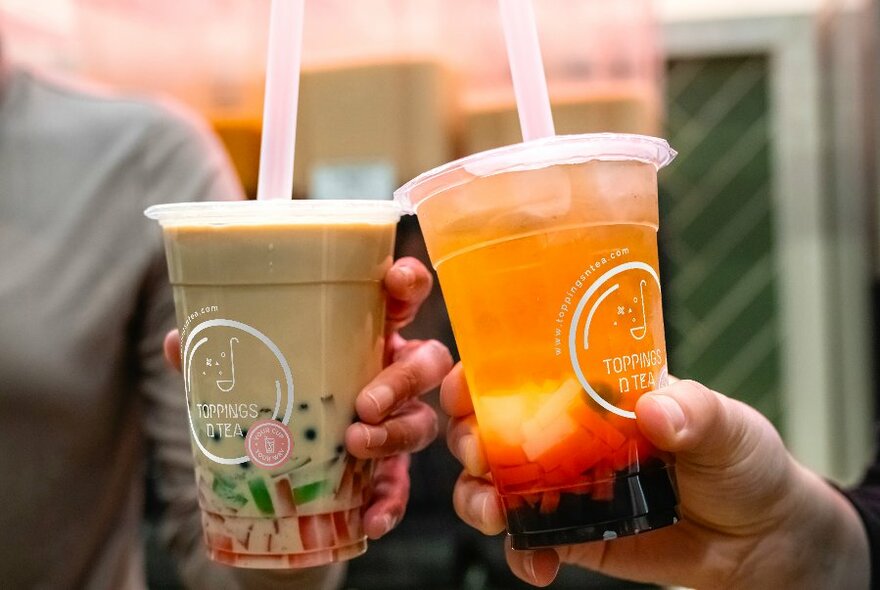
(224, 489)
(311, 491)
(261, 495)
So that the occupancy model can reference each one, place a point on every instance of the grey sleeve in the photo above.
(184, 163)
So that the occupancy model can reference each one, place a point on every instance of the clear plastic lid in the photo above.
(275, 212)
(532, 155)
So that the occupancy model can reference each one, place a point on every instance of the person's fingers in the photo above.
(416, 370)
(408, 283)
(538, 568)
(477, 503)
(455, 397)
(464, 443)
(390, 496)
(699, 424)
(656, 557)
(732, 467)
(411, 429)
(171, 347)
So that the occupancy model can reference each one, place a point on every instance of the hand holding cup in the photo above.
(394, 421)
(752, 516)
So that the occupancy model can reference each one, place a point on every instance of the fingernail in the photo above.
(673, 411)
(408, 275)
(388, 523)
(469, 454)
(392, 522)
(478, 508)
(375, 436)
(545, 561)
(484, 508)
(382, 397)
(530, 565)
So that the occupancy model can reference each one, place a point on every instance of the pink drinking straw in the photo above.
(282, 97)
(526, 69)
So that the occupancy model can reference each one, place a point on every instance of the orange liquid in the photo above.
(558, 318)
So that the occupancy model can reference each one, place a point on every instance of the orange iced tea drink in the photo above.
(547, 257)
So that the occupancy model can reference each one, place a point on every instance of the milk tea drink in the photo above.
(280, 308)
(547, 256)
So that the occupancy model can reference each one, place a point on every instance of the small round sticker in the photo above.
(268, 443)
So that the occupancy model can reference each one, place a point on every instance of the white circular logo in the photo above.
(234, 376)
(611, 321)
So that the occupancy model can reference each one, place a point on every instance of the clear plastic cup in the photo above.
(547, 257)
(281, 312)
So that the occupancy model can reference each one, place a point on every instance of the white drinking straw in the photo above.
(282, 95)
(526, 69)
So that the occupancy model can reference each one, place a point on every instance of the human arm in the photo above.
(752, 516)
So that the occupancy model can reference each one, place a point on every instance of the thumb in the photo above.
(700, 425)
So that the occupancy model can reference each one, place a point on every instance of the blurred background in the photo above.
(769, 215)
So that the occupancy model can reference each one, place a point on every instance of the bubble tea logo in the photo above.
(235, 377)
(615, 339)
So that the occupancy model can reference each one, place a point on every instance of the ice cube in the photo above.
(539, 440)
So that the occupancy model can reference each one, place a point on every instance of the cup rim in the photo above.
(276, 212)
(533, 155)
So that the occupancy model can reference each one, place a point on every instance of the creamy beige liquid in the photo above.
(279, 322)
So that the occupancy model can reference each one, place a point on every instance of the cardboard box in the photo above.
(364, 128)
(398, 114)
(486, 127)
(241, 137)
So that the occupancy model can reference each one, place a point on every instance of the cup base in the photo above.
(627, 504)
(288, 560)
(284, 542)
(600, 532)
